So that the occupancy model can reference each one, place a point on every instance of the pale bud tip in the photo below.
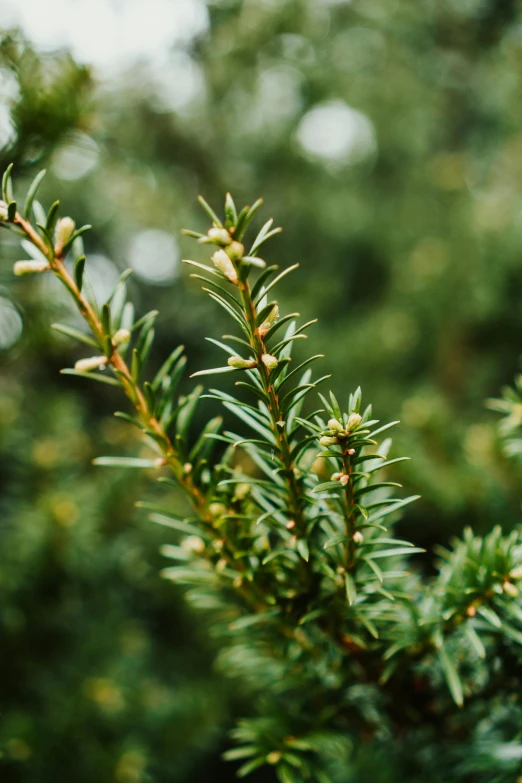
(30, 267)
(269, 361)
(90, 364)
(241, 364)
(354, 419)
(121, 337)
(223, 263)
(64, 230)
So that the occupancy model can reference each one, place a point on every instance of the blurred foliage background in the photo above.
(386, 137)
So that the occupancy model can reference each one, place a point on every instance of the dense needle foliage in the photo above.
(349, 654)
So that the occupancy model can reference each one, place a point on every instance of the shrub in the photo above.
(357, 664)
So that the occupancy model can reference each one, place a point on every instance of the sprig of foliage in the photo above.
(320, 614)
(510, 405)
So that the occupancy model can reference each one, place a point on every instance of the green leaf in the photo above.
(214, 371)
(31, 193)
(392, 508)
(166, 367)
(475, 640)
(76, 235)
(7, 187)
(125, 462)
(52, 217)
(339, 539)
(174, 522)
(210, 212)
(152, 315)
(204, 443)
(240, 753)
(303, 549)
(452, 677)
(187, 411)
(230, 211)
(106, 318)
(79, 268)
(93, 376)
(76, 334)
(245, 218)
(351, 592)
(400, 550)
(489, 615)
(327, 486)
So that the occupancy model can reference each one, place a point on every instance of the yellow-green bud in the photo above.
(335, 425)
(274, 757)
(358, 537)
(224, 264)
(271, 318)
(516, 573)
(30, 267)
(64, 231)
(220, 236)
(510, 589)
(92, 363)
(217, 509)
(242, 490)
(241, 364)
(327, 440)
(193, 544)
(121, 337)
(336, 476)
(353, 421)
(235, 251)
(221, 565)
(269, 361)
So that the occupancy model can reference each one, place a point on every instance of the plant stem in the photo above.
(278, 422)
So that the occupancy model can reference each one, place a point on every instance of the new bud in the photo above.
(327, 440)
(3, 210)
(30, 267)
(121, 337)
(336, 476)
(272, 317)
(345, 478)
(223, 263)
(241, 364)
(193, 544)
(90, 364)
(220, 236)
(64, 231)
(353, 421)
(358, 537)
(335, 425)
(269, 361)
(510, 589)
(235, 251)
(516, 573)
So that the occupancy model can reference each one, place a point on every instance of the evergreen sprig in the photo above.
(320, 613)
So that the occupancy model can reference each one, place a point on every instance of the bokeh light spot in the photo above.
(334, 132)
(154, 255)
